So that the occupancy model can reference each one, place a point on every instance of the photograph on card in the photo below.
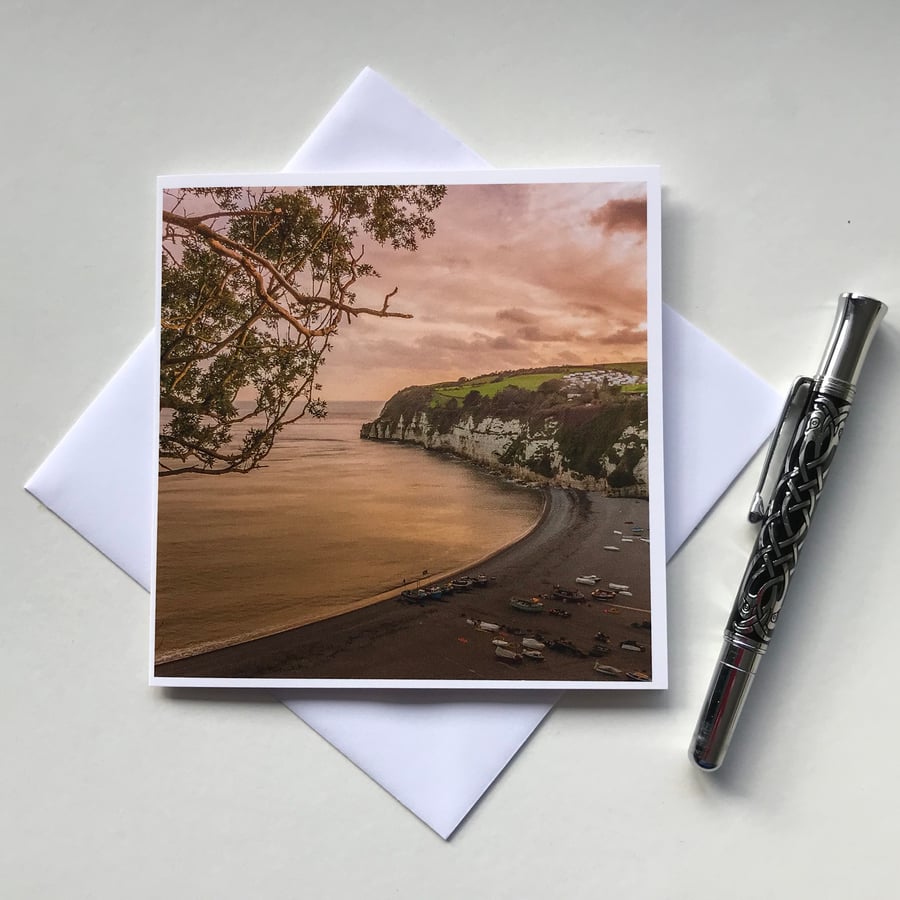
(410, 431)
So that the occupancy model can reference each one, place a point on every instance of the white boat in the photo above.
(499, 642)
(487, 626)
(607, 670)
(616, 532)
(625, 594)
(587, 579)
(618, 587)
(532, 644)
(532, 654)
(645, 540)
(626, 540)
(610, 547)
(507, 655)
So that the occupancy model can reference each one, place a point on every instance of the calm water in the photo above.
(332, 521)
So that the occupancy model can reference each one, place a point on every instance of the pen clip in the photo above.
(794, 409)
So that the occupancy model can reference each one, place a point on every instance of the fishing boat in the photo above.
(587, 579)
(634, 646)
(640, 675)
(486, 626)
(415, 596)
(532, 654)
(610, 547)
(533, 605)
(563, 645)
(504, 654)
(618, 587)
(567, 596)
(532, 644)
(603, 594)
(607, 670)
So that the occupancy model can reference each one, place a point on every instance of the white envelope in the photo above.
(436, 752)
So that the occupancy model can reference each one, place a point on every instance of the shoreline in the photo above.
(382, 597)
(435, 640)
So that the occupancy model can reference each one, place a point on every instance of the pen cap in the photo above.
(855, 324)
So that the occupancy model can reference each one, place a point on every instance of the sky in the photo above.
(516, 276)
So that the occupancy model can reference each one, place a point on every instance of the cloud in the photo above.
(516, 276)
(629, 335)
(622, 214)
(517, 315)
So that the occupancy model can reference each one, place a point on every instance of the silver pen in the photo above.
(804, 444)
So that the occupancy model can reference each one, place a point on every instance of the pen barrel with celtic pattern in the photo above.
(785, 527)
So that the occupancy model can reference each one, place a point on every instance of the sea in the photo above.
(328, 525)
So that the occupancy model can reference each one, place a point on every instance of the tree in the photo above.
(255, 285)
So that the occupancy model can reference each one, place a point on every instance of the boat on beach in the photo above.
(563, 645)
(533, 605)
(639, 675)
(420, 595)
(567, 596)
(603, 594)
(607, 670)
(587, 579)
(504, 654)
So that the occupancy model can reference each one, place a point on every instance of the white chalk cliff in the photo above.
(525, 451)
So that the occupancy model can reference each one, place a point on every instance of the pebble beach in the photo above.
(453, 639)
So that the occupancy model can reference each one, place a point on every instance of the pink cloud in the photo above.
(515, 276)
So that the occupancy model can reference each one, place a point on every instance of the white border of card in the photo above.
(657, 556)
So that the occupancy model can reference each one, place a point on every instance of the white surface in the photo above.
(777, 132)
(436, 755)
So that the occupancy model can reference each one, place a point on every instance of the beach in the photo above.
(439, 640)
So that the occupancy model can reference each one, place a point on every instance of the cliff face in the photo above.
(600, 446)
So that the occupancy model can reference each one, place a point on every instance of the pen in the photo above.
(804, 443)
